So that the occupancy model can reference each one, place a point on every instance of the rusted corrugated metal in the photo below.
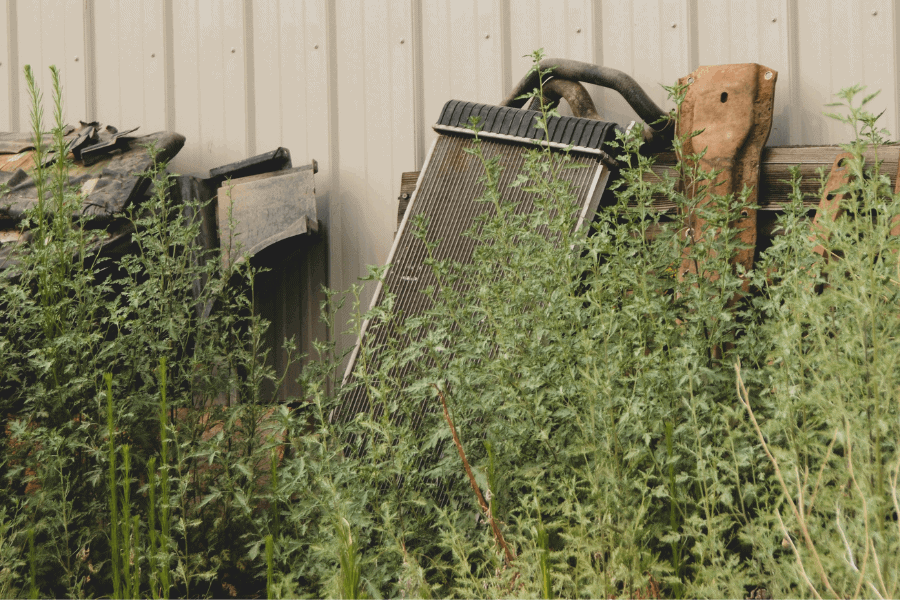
(356, 85)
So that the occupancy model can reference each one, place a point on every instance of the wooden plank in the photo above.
(775, 188)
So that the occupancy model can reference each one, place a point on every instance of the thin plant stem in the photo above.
(498, 535)
(113, 501)
(744, 397)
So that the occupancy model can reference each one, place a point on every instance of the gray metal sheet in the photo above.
(265, 209)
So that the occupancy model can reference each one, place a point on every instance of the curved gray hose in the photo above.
(607, 77)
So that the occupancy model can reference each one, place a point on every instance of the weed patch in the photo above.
(598, 425)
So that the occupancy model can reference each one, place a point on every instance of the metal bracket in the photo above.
(731, 107)
(830, 203)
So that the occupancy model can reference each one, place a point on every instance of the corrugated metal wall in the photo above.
(358, 84)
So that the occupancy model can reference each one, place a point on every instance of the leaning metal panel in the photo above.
(447, 196)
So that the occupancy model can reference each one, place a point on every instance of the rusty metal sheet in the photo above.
(731, 106)
(265, 209)
(830, 203)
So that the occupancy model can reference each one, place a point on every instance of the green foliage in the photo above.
(597, 425)
(97, 358)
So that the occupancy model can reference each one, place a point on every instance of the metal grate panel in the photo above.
(446, 194)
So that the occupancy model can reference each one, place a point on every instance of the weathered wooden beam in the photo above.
(775, 175)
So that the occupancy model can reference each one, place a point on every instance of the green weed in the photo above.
(596, 424)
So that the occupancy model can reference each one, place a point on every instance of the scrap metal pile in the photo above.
(105, 168)
(263, 196)
(731, 104)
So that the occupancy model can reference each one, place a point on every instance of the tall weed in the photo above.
(595, 424)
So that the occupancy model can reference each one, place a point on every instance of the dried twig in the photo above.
(812, 499)
(787, 536)
(498, 535)
(877, 562)
(744, 397)
(865, 510)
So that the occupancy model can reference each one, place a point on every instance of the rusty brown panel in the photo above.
(895, 230)
(830, 203)
(12, 162)
(731, 106)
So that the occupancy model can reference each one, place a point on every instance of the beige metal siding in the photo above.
(357, 84)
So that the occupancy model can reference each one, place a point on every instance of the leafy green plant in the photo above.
(825, 411)
(70, 316)
(586, 432)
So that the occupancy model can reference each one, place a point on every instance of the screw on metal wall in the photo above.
(732, 105)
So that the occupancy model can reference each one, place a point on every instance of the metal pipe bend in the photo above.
(607, 77)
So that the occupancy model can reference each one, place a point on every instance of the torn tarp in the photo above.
(110, 183)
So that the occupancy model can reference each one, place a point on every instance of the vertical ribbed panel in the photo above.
(448, 196)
